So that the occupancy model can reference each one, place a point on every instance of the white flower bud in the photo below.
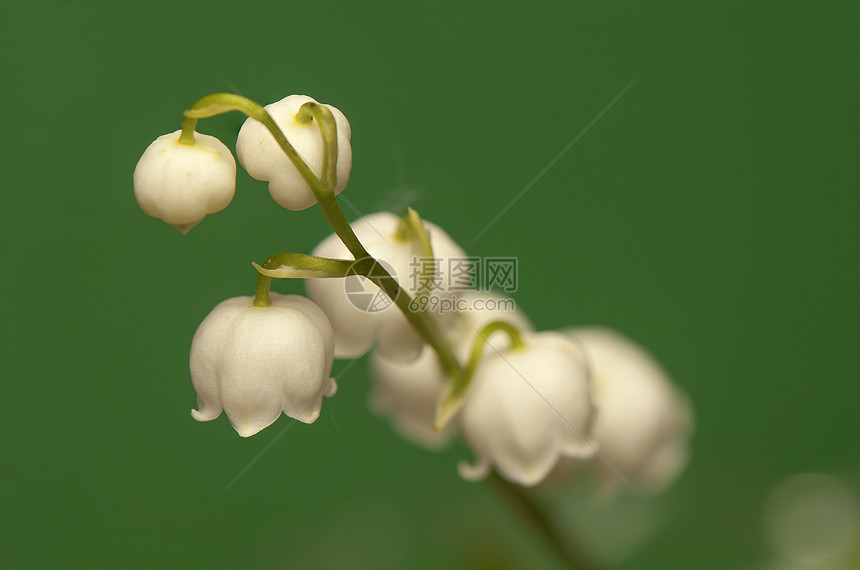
(409, 392)
(526, 408)
(256, 362)
(181, 183)
(359, 311)
(643, 421)
(264, 160)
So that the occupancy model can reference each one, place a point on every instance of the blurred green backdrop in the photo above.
(711, 214)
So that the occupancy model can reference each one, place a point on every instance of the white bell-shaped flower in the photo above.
(181, 183)
(526, 408)
(256, 362)
(359, 311)
(409, 392)
(643, 420)
(264, 160)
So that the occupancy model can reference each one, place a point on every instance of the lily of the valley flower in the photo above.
(181, 183)
(527, 408)
(256, 362)
(643, 422)
(358, 310)
(409, 392)
(264, 160)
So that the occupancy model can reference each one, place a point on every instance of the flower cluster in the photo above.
(532, 405)
(583, 398)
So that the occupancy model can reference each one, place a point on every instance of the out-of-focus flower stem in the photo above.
(532, 511)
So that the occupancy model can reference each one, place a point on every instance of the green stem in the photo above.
(296, 265)
(420, 320)
(219, 103)
(453, 398)
(261, 292)
(567, 550)
(328, 131)
(186, 137)
(300, 265)
(517, 343)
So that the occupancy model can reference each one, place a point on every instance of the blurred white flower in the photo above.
(408, 392)
(527, 408)
(181, 183)
(358, 310)
(264, 160)
(643, 422)
(256, 362)
(813, 522)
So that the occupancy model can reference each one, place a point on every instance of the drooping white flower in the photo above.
(358, 310)
(526, 408)
(181, 183)
(408, 392)
(643, 420)
(264, 160)
(813, 522)
(256, 362)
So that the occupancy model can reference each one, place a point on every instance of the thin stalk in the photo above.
(531, 510)
(453, 397)
(296, 265)
(418, 318)
(261, 291)
(186, 137)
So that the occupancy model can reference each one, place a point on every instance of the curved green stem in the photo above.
(328, 132)
(481, 339)
(420, 320)
(220, 103)
(453, 397)
(296, 265)
(517, 343)
(572, 555)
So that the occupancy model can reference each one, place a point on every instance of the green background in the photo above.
(711, 214)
